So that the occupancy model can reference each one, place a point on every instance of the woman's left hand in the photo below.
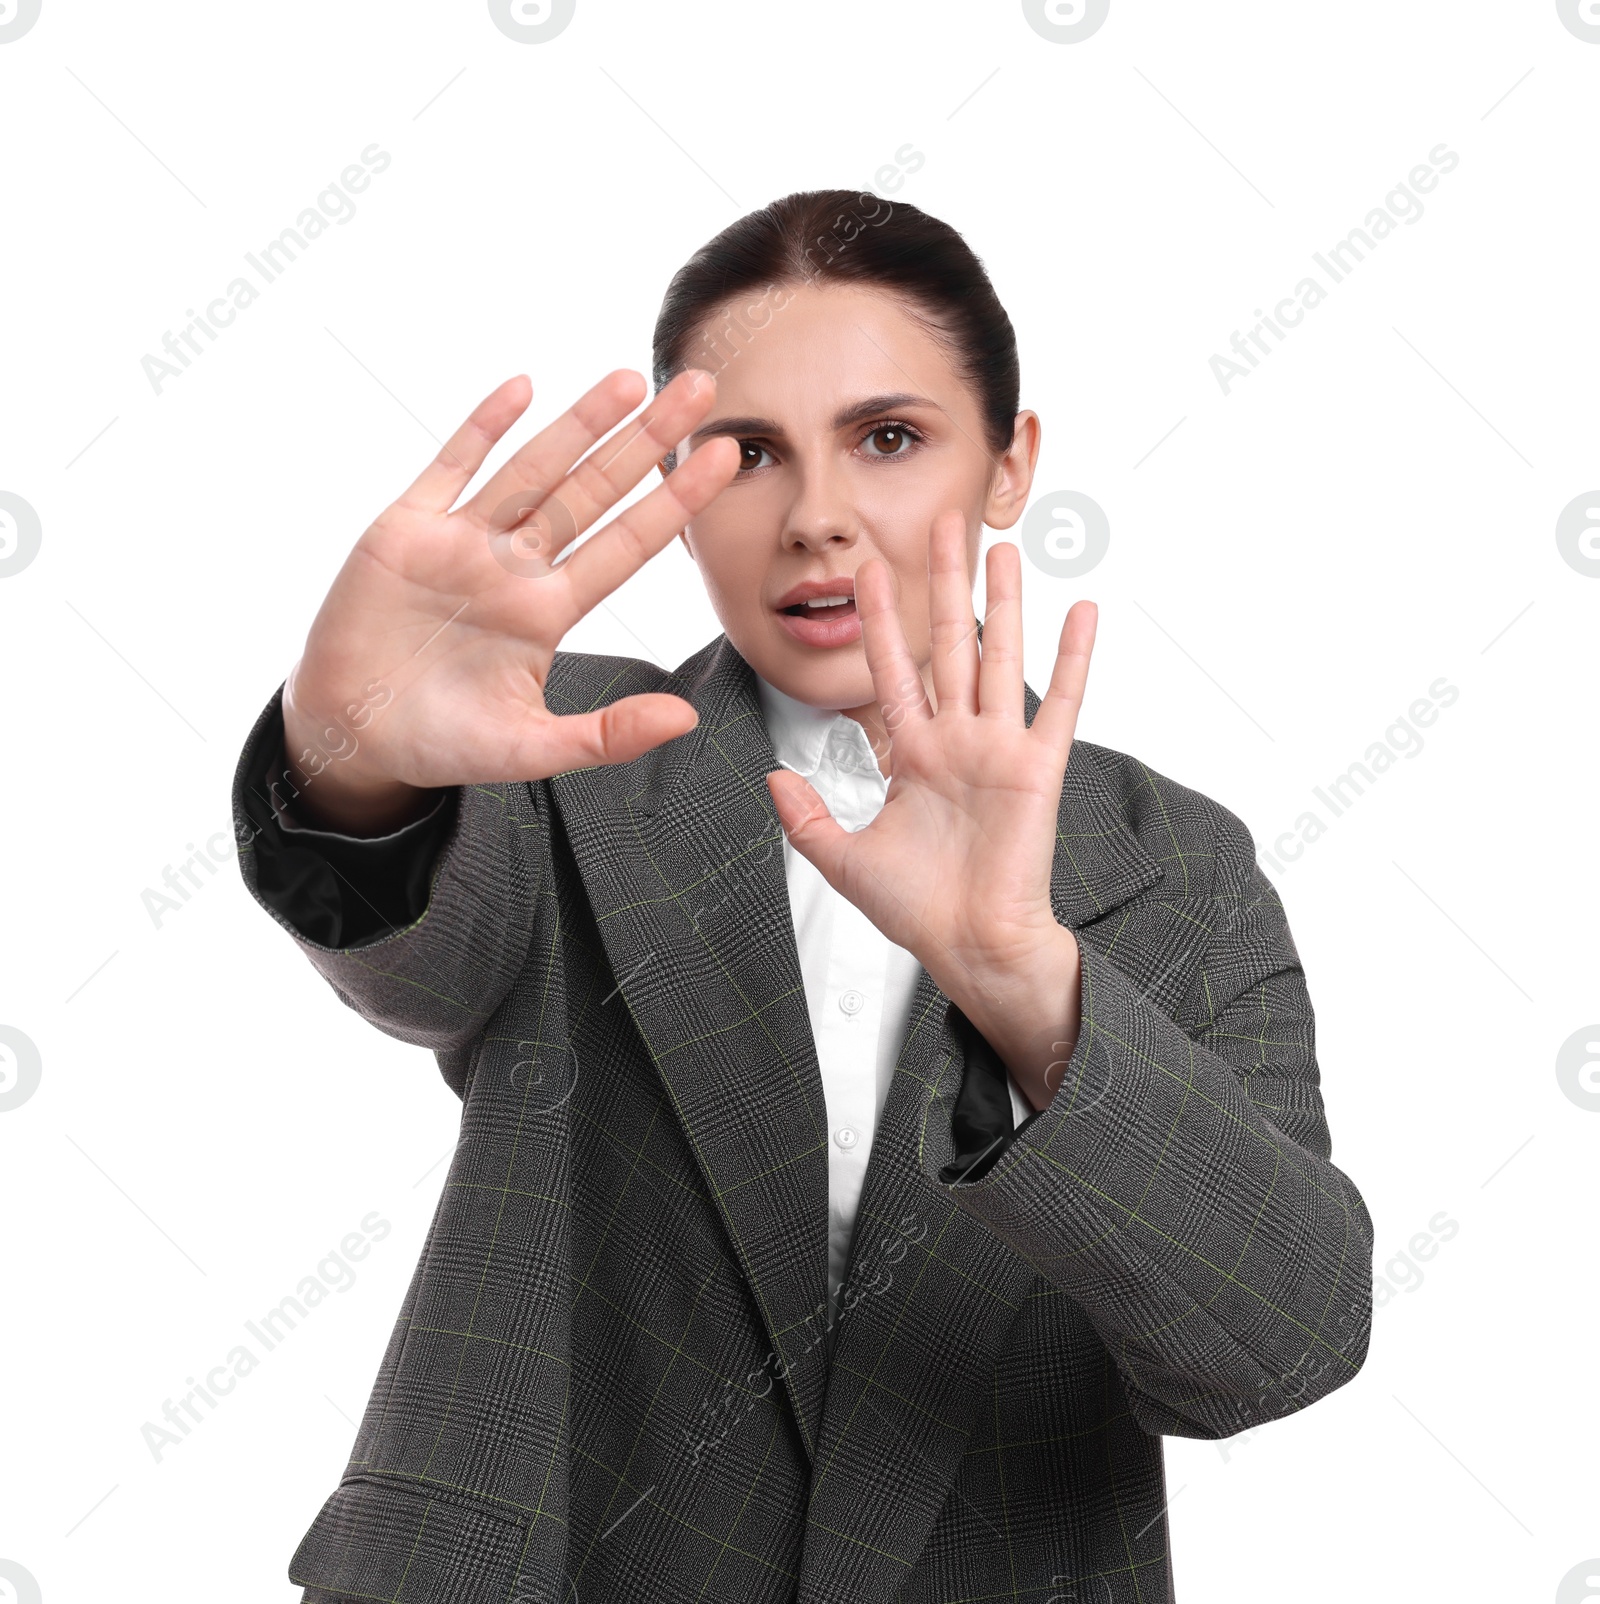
(956, 866)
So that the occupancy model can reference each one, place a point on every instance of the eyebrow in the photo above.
(857, 412)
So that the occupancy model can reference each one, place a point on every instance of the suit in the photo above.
(609, 1380)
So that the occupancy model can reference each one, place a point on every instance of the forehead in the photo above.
(801, 351)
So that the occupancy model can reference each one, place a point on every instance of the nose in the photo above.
(822, 516)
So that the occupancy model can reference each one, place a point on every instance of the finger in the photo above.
(953, 633)
(812, 830)
(1000, 669)
(437, 486)
(896, 683)
(634, 536)
(614, 734)
(542, 462)
(1057, 716)
(619, 462)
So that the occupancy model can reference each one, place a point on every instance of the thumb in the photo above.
(812, 830)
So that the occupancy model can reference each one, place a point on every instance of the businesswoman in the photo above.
(885, 1116)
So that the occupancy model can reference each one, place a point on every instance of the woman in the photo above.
(884, 1115)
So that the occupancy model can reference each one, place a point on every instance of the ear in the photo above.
(1013, 478)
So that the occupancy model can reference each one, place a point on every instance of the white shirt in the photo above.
(858, 983)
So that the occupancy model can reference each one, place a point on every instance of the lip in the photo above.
(842, 627)
(838, 585)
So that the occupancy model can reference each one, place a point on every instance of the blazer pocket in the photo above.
(377, 1538)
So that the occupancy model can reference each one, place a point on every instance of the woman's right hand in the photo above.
(426, 664)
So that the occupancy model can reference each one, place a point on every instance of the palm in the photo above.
(456, 615)
(968, 806)
(956, 866)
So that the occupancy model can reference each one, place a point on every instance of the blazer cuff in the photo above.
(339, 890)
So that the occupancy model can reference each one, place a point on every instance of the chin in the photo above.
(834, 680)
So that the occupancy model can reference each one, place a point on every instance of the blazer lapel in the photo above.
(681, 855)
(934, 1292)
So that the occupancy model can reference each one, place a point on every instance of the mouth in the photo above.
(821, 612)
(822, 607)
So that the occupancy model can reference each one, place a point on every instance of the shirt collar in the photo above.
(804, 737)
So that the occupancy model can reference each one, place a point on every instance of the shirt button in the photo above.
(851, 1003)
(845, 1137)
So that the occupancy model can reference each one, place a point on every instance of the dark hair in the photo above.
(839, 236)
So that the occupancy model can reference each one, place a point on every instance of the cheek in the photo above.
(901, 517)
(731, 568)
(904, 546)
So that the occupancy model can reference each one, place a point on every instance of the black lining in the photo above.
(339, 890)
(981, 1125)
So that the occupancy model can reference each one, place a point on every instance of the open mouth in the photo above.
(828, 607)
(821, 612)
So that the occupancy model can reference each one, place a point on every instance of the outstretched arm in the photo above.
(420, 696)
(1176, 1182)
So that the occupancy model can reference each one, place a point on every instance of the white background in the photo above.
(1290, 568)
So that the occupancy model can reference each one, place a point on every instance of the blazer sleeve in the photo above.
(1179, 1186)
(422, 931)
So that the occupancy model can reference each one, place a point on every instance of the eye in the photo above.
(750, 454)
(891, 440)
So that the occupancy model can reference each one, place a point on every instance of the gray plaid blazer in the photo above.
(615, 1375)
